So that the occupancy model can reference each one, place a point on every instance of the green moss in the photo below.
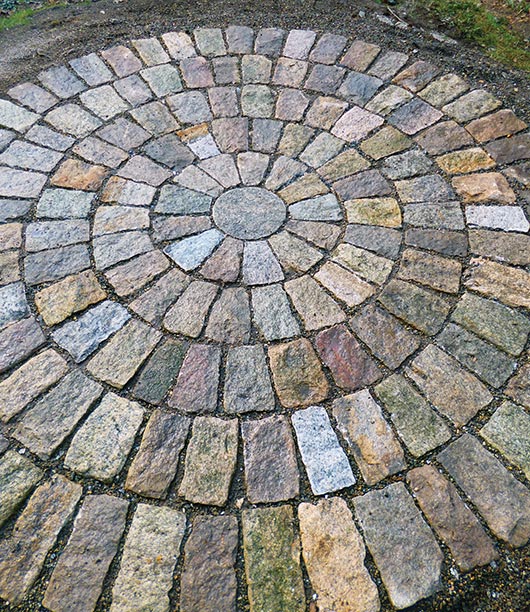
(476, 24)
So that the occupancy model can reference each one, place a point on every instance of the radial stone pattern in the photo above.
(263, 326)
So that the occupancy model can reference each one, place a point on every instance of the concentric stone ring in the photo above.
(263, 308)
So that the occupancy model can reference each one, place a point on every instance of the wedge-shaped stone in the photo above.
(350, 365)
(23, 553)
(230, 317)
(488, 363)
(452, 520)
(338, 577)
(72, 294)
(149, 557)
(160, 371)
(451, 389)
(155, 465)
(210, 461)
(188, 314)
(271, 471)
(423, 309)
(30, 380)
(502, 326)
(100, 448)
(434, 271)
(272, 560)
(208, 581)
(374, 211)
(117, 362)
(344, 285)
(388, 340)
(78, 577)
(196, 388)
(18, 475)
(501, 499)
(316, 308)
(420, 428)
(364, 263)
(47, 424)
(247, 384)
(272, 314)
(368, 436)
(508, 431)
(404, 548)
(83, 336)
(507, 284)
(297, 374)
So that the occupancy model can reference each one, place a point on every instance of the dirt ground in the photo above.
(62, 33)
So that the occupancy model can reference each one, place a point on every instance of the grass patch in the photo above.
(16, 18)
(474, 23)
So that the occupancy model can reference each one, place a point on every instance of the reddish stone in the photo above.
(76, 174)
(351, 366)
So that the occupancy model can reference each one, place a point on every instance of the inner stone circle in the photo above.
(249, 213)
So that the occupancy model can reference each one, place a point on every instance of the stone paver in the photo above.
(254, 282)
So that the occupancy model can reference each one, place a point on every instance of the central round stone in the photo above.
(249, 212)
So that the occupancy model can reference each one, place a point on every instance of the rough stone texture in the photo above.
(403, 546)
(334, 555)
(45, 426)
(78, 577)
(23, 553)
(271, 472)
(387, 338)
(507, 284)
(247, 384)
(72, 294)
(420, 428)
(18, 341)
(230, 317)
(18, 476)
(491, 365)
(196, 388)
(327, 466)
(452, 520)
(155, 465)
(500, 325)
(297, 375)
(272, 560)
(351, 367)
(502, 500)
(508, 431)
(272, 314)
(316, 308)
(83, 336)
(208, 581)
(149, 557)
(100, 447)
(29, 381)
(117, 362)
(368, 436)
(423, 309)
(210, 461)
(455, 392)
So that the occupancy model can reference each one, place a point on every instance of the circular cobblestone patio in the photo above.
(263, 327)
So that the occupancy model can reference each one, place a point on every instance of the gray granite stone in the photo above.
(247, 383)
(84, 335)
(404, 548)
(326, 463)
